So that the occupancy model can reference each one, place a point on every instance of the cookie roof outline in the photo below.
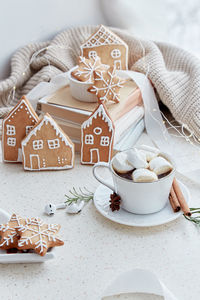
(28, 106)
(103, 36)
(100, 111)
(47, 118)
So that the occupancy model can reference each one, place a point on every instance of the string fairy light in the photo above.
(180, 129)
(12, 93)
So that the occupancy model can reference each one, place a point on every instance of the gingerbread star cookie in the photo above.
(39, 236)
(107, 85)
(86, 67)
(8, 232)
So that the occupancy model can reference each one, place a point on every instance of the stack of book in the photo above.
(69, 113)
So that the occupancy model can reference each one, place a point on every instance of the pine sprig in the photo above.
(194, 219)
(82, 194)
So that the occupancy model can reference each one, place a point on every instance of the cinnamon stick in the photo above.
(174, 201)
(183, 204)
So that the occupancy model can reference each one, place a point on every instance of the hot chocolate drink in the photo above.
(144, 164)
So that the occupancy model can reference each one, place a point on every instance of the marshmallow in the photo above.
(148, 154)
(144, 175)
(120, 163)
(136, 159)
(160, 165)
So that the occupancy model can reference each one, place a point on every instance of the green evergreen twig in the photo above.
(82, 194)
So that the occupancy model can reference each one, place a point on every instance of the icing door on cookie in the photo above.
(94, 155)
(117, 64)
(19, 154)
(35, 161)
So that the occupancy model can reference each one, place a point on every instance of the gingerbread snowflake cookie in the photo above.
(39, 236)
(107, 85)
(8, 232)
(86, 67)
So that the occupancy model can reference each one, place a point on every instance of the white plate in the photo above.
(16, 258)
(101, 201)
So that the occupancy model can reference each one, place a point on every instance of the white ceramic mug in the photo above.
(79, 89)
(139, 197)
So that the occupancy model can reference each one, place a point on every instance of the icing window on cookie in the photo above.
(11, 141)
(53, 144)
(115, 53)
(104, 141)
(89, 139)
(37, 144)
(97, 130)
(92, 54)
(28, 129)
(10, 130)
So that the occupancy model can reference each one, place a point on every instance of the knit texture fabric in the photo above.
(175, 73)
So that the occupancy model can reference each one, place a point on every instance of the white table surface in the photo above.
(96, 250)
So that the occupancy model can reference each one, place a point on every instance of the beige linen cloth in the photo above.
(174, 72)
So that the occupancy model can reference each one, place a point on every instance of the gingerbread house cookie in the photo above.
(47, 147)
(97, 136)
(16, 125)
(108, 46)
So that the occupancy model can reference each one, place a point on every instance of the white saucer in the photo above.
(16, 258)
(101, 202)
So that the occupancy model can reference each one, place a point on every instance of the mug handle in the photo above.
(99, 178)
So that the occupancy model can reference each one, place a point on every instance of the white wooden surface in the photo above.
(96, 250)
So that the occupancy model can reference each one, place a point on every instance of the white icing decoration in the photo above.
(10, 130)
(89, 68)
(5, 227)
(117, 64)
(38, 144)
(92, 54)
(115, 53)
(89, 139)
(38, 233)
(53, 144)
(28, 129)
(100, 111)
(109, 88)
(103, 37)
(10, 115)
(46, 119)
(11, 142)
(97, 130)
(104, 141)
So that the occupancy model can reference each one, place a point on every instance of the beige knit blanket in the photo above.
(174, 72)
